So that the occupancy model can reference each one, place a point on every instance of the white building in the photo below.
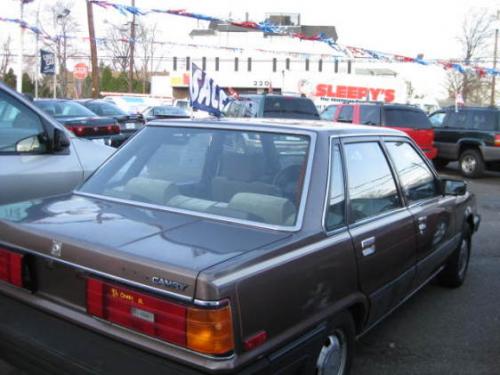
(251, 61)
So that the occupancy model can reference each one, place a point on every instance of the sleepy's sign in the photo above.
(355, 92)
(205, 94)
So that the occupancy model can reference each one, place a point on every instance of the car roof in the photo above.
(316, 126)
(475, 108)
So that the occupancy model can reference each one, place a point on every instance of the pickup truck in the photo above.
(207, 247)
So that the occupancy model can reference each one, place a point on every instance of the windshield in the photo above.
(105, 109)
(290, 107)
(251, 176)
(406, 118)
(168, 111)
(64, 108)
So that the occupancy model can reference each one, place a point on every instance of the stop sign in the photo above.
(81, 71)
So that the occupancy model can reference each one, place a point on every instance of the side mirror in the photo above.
(61, 141)
(453, 187)
(30, 145)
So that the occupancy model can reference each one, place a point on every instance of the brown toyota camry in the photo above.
(228, 247)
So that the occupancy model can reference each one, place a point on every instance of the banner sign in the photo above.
(205, 94)
(48, 65)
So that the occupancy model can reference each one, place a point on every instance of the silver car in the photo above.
(38, 156)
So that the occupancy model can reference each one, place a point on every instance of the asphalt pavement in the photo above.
(441, 331)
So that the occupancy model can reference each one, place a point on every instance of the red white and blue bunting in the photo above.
(341, 52)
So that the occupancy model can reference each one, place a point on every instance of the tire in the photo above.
(336, 354)
(453, 275)
(440, 163)
(471, 163)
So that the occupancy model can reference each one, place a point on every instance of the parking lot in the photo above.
(441, 331)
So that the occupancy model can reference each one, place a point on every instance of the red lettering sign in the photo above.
(355, 92)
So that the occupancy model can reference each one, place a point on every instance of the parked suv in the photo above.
(470, 135)
(216, 247)
(412, 120)
(38, 156)
(272, 106)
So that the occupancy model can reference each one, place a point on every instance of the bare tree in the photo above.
(117, 43)
(147, 43)
(475, 37)
(6, 56)
(63, 26)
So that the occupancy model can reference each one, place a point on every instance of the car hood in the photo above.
(125, 240)
(90, 154)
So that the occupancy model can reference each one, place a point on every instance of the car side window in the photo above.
(335, 215)
(329, 113)
(483, 120)
(370, 115)
(457, 119)
(19, 126)
(371, 186)
(416, 178)
(437, 119)
(345, 114)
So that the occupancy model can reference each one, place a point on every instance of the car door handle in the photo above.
(368, 246)
(422, 224)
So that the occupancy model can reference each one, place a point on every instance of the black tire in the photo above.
(440, 163)
(471, 163)
(342, 336)
(453, 275)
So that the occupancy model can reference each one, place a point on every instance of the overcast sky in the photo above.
(396, 26)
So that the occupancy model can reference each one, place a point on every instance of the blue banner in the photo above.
(48, 63)
(205, 94)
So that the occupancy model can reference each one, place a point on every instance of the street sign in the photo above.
(48, 65)
(81, 71)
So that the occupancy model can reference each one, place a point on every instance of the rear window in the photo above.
(483, 120)
(251, 176)
(290, 107)
(406, 118)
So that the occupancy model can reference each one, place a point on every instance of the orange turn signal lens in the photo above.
(210, 331)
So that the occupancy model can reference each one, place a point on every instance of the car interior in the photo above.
(246, 176)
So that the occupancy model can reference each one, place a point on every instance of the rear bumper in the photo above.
(41, 343)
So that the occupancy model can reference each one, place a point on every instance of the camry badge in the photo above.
(56, 249)
(172, 284)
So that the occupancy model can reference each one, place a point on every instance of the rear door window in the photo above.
(406, 118)
(456, 120)
(370, 115)
(345, 114)
(335, 215)
(372, 189)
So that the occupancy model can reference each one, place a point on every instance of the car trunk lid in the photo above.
(68, 239)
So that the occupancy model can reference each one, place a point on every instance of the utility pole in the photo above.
(93, 51)
(132, 45)
(37, 53)
(19, 80)
(497, 26)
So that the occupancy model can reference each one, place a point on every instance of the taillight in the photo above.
(497, 140)
(89, 131)
(11, 267)
(79, 131)
(205, 330)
